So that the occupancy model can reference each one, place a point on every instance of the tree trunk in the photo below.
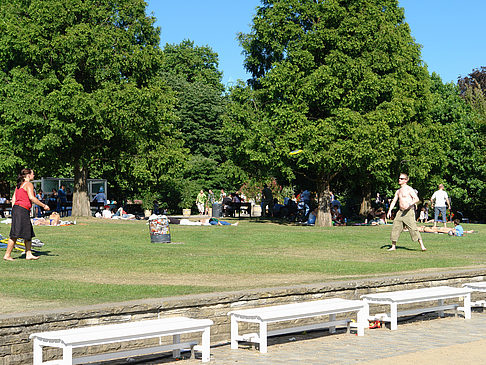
(324, 218)
(81, 207)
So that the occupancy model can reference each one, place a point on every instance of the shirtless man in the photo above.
(407, 198)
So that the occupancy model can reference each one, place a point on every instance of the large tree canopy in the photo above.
(78, 89)
(343, 81)
(192, 71)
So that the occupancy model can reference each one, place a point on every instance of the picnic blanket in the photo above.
(19, 245)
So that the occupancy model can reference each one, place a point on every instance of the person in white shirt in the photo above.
(440, 199)
(106, 213)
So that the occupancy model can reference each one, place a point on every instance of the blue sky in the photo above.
(449, 31)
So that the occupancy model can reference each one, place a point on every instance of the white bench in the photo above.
(129, 331)
(439, 293)
(288, 312)
(477, 286)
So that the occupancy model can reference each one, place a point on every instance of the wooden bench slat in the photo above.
(477, 286)
(280, 312)
(294, 311)
(132, 353)
(439, 293)
(433, 293)
(119, 332)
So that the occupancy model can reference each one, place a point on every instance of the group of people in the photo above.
(109, 213)
(56, 199)
(204, 202)
(295, 208)
(406, 197)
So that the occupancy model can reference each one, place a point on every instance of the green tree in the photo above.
(192, 71)
(78, 87)
(195, 64)
(343, 81)
(473, 90)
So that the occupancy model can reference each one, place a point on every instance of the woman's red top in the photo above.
(22, 198)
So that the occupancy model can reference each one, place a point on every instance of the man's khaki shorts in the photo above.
(405, 218)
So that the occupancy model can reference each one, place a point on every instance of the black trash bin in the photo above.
(217, 210)
(159, 229)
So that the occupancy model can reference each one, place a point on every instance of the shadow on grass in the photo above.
(400, 248)
(38, 253)
(279, 221)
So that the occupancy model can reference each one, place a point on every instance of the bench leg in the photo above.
(362, 319)
(67, 355)
(234, 333)
(393, 316)
(440, 303)
(332, 318)
(206, 345)
(467, 306)
(37, 352)
(176, 353)
(263, 337)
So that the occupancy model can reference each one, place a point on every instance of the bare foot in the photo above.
(235, 224)
(393, 248)
(423, 249)
(8, 258)
(32, 257)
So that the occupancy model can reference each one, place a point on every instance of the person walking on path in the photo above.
(440, 199)
(407, 198)
(201, 201)
(21, 225)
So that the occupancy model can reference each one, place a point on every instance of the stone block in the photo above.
(19, 359)
(4, 350)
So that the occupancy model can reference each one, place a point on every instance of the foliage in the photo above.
(473, 89)
(199, 109)
(195, 64)
(253, 187)
(192, 71)
(77, 83)
(343, 81)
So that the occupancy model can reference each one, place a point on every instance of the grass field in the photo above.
(103, 261)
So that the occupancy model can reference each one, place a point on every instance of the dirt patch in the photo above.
(13, 304)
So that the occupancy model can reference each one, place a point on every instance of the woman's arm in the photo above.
(30, 192)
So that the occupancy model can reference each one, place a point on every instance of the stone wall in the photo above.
(16, 348)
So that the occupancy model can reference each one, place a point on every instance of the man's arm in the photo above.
(392, 205)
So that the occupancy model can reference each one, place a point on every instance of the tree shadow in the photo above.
(279, 221)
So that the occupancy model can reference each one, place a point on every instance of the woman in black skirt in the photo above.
(21, 225)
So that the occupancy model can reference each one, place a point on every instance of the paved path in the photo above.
(423, 340)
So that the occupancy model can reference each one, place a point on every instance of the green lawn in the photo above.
(98, 261)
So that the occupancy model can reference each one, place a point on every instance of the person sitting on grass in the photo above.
(312, 217)
(107, 213)
(337, 217)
